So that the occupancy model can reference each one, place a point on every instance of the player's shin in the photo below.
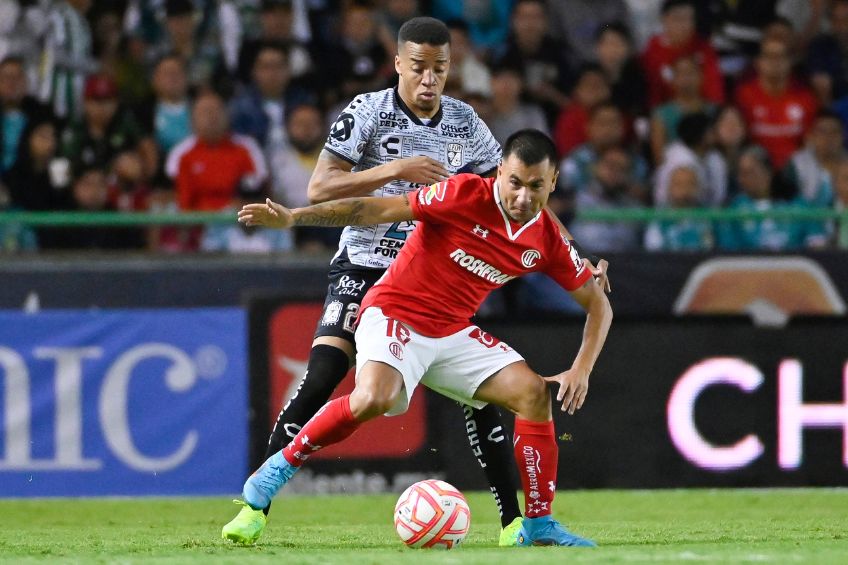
(536, 453)
(331, 424)
(491, 444)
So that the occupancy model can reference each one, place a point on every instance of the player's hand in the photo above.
(269, 215)
(573, 387)
(600, 273)
(422, 170)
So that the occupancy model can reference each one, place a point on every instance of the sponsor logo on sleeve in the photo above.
(435, 192)
(343, 127)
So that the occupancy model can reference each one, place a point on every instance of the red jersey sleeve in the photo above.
(566, 266)
(436, 203)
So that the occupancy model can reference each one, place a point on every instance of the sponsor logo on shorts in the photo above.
(349, 286)
(529, 258)
(332, 313)
(396, 349)
(480, 267)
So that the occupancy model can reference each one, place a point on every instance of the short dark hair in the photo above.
(531, 146)
(670, 5)
(693, 127)
(828, 114)
(423, 30)
(12, 60)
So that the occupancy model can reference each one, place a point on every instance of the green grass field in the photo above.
(679, 526)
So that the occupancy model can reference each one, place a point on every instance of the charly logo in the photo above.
(529, 258)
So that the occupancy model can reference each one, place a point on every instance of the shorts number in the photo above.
(350, 317)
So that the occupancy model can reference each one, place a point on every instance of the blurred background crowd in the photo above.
(201, 105)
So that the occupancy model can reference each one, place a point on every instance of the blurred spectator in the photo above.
(812, 169)
(213, 167)
(468, 74)
(806, 17)
(614, 52)
(605, 130)
(577, 23)
(759, 187)
(840, 204)
(128, 189)
(292, 165)
(21, 31)
(105, 130)
(90, 193)
(777, 109)
(200, 51)
(643, 20)
(116, 54)
(67, 57)
(686, 84)
(827, 57)
(693, 149)
(39, 180)
(488, 21)
(167, 116)
(508, 114)
(276, 21)
(393, 14)
(687, 234)
(590, 89)
(259, 111)
(679, 39)
(541, 57)
(609, 189)
(17, 108)
(357, 62)
(731, 137)
(737, 31)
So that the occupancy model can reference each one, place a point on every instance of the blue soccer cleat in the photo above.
(264, 483)
(544, 530)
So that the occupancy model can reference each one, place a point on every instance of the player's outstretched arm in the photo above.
(338, 213)
(333, 177)
(574, 383)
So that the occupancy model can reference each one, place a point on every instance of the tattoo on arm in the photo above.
(339, 213)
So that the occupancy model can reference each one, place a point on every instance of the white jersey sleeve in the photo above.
(350, 132)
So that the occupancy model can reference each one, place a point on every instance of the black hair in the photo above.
(531, 146)
(615, 27)
(827, 114)
(424, 30)
(605, 105)
(670, 5)
(277, 46)
(588, 68)
(779, 20)
(693, 128)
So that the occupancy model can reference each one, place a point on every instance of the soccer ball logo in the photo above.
(432, 513)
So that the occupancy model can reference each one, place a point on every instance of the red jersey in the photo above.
(208, 177)
(465, 247)
(657, 60)
(778, 123)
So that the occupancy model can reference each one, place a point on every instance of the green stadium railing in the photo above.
(640, 215)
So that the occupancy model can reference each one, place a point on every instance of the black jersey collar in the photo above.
(434, 121)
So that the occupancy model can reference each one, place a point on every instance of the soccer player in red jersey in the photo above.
(475, 235)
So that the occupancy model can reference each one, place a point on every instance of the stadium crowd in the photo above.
(202, 105)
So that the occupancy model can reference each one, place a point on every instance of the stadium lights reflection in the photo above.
(793, 414)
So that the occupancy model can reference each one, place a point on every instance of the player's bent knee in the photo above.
(535, 400)
(367, 403)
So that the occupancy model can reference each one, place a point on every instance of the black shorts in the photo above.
(345, 292)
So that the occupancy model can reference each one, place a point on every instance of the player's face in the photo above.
(524, 189)
(423, 70)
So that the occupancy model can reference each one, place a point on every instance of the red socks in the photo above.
(536, 453)
(331, 424)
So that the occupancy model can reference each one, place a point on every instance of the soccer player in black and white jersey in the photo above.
(389, 143)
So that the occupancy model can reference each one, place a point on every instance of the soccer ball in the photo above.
(432, 513)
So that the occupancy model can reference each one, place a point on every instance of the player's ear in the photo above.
(554, 181)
